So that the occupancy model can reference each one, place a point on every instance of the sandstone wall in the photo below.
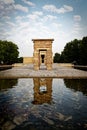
(27, 60)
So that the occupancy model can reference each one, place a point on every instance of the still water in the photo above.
(43, 104)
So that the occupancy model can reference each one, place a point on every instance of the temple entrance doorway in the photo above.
(42, 54)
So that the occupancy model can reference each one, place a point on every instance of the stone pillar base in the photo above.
(49, 67)
(36, 68)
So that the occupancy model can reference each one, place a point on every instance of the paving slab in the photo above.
(27, 71)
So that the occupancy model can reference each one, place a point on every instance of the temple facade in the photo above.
(42, 53)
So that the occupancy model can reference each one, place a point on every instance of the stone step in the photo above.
(43, 66)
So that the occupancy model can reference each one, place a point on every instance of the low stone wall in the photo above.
(27, 60)
(65, 64)
(5, 67)
(17, 64)
(81, 67)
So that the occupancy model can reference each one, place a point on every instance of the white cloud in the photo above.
(77, 28)
(6, 17)
(76, 25)
(49, 17)
(54, 9)
(24, 25)
(39, 13)
(8, 7)
(8, 1)
(32, 17)
(11, 24)
(77, 17)
(35, 15)
(51, 8)
(18, 17)
(68, 8)
(28, 2)
(20, 7)
(57, 25)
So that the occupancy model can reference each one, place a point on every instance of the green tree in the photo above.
(20, 60)
(71, 52)
(74, 52)
(62, 58)
(56, 58)
(8, 52)
(83, 51)
(1, 52)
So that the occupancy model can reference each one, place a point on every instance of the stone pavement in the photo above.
(27, 71)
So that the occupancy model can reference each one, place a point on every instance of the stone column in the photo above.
(36, 60)
(49, 60)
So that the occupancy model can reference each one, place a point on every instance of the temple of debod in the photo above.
(41, 65)
(42, 54)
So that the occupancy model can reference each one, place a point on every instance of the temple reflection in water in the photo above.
(42, 90)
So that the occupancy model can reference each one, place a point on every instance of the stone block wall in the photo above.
(27, 60)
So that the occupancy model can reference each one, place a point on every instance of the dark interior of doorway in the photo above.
(42, 56)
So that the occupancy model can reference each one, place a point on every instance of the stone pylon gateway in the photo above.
(42, 53)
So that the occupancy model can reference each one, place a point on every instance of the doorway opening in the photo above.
(42, 58)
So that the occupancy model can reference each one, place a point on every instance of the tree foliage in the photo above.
(20, 60)
(8, 52)
(83, 51)
(71, 51)
(56, 58)
(74, 52)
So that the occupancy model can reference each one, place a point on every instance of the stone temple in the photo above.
(42, 53)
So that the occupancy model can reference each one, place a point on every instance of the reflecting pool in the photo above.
(43, 104)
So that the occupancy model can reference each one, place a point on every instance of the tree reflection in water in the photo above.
(7, 83)
(77, 85)
(42, 90)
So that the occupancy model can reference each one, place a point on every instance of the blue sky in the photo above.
(23, 20)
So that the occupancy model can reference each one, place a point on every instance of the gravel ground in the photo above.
(27, 71)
